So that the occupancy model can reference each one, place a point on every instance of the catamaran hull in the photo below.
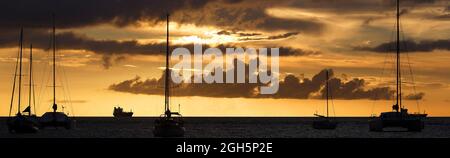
(66, 125)
(415, 125)
(55, 119)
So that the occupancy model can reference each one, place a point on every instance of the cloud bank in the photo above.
(291, 87)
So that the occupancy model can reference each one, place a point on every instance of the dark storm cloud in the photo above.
(232, 14)
(41, 39)
(78, 13)
(112, 51)
(352, 6)
(410, 46)
(290, 87)
(238, 15)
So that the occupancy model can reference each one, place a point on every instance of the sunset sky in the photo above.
(111, 53)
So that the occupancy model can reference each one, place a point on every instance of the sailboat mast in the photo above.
(166, 87)
(20, 69)
(30, 78)
(398, 56)
(34, 97)
(54, 61)
(14, 80)
(326, 84)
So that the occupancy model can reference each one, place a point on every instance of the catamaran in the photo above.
(399, 116)
(55, 118)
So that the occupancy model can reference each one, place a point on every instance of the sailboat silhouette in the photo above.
(169, 124)
(22, 123)
(55, 119)
(324, 122)
(399, 117)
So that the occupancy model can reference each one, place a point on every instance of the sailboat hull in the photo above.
(166, 127)
(55, 119)
(411, 123)
(23, 124)
(324, 124)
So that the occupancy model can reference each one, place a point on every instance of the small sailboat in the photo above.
(119, 113)
(169, 124)
(22, 123)
(325, 122)
(399, 116)
(55, 118)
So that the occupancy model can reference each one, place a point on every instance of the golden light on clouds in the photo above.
(135, 47)
(293, 13)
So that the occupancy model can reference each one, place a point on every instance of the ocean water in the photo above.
(232, 127)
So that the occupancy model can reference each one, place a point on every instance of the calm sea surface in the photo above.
(239, 127)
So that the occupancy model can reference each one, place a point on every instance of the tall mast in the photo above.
(20, 69)
(398, 57)
(30, 78)
(15, 77)
(34, 97)
(326, 86)
(54, 64)
(166, 86)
